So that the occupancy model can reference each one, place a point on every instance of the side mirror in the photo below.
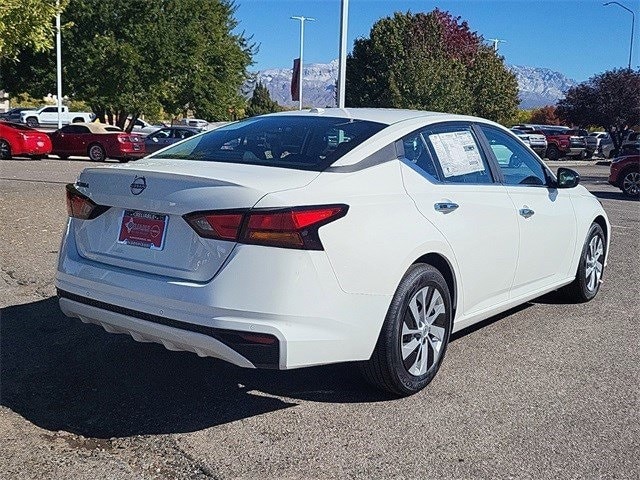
(567, 178)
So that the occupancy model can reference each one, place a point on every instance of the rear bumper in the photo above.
(292, 296)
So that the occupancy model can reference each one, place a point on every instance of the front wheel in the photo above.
(553, 153)
(590, 269)
(5, 150)
(415, 334)
(32, 122)
(631, 184)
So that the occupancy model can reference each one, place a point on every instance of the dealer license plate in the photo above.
(143, 229)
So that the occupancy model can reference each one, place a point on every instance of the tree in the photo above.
(545, 116)
(27, 24)
(610, 99)
(128, 58)
(430, 62)
(261, 102)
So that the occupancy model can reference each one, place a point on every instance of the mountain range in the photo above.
(538, 86)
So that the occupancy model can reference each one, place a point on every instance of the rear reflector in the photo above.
(82, 207)
(295, 227)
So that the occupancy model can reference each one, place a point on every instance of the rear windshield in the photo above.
(304, 143)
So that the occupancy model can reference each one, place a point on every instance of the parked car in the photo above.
(144, 128)
(537, 141)
(590, 142)
(195, 122)
(98, 142)
(625, 174)
(19, 140)
(331, 235)
(167, 136)
(630, 143)
(13, 115)
(49, 116)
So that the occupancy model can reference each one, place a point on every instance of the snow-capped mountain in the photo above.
(538, 86)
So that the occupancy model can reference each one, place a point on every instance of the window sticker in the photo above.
(457, 152)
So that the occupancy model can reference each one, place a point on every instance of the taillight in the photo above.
(123, 138)
(82, 207)
(295, 227)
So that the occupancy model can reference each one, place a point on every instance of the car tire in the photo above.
(96, 153)
(630, 184)
(590, 269)
(32, 122)
(5, 150)
(78, 120)
(410, 350)
(553, 153)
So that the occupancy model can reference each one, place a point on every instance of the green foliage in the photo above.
(261, 103)
(545, 116)
(610, 99)
(429, 62)
(521, 116)
(27, 24)
(129, 58)
(25, 100)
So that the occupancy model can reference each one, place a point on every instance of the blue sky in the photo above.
(577, 38)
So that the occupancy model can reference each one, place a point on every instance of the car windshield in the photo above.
(287, 141)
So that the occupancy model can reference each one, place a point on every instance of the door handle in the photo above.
(526, 212)
(445, 207)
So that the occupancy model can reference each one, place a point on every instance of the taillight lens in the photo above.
(295, 227)
(82, 207)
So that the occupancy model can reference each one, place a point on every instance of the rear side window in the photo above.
(288, 141)
(458, 155)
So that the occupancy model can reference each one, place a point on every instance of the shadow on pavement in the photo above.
(614, 196)
(61, 374)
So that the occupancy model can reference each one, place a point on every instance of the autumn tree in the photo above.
(545, 116)
(610, 99)
(261, 102)
(430, 61)
(27, 25)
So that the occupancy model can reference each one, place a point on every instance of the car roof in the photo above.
(387, 116)
(97, 127)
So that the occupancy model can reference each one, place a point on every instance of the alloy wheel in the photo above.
(423, 331)
(631, 183)
(594, 260)
(5, 150)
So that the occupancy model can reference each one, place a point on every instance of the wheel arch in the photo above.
(443, 265)
(604, 225)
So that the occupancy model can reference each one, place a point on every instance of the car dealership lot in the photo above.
(548, 390)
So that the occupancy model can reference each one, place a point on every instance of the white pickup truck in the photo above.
(49, 116)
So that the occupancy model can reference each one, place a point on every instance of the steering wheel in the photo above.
(514, 161)
(531, 180)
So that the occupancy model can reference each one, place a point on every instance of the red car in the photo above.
(20, 140)
(97, 141)
(625, 174)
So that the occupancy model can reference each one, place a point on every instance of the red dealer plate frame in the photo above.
(143, 229)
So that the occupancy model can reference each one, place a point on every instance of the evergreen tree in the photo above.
(261, 102)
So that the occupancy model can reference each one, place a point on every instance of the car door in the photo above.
(546, 219)
(452, 183)
(159, 139)
(49, 115)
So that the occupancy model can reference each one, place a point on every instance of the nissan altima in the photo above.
(323, 236)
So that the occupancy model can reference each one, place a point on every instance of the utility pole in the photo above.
(342, 62)
(496, 42)
(633, 21)
(302, 20)
(59, 64)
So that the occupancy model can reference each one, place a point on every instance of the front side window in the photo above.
(458, 155)
(518, 165)
(287, 141)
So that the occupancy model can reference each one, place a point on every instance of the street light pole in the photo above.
(59, 64)
(342, 62)
(633, 21)
(302, 20)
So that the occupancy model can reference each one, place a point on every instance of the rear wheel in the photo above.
(631, 183)
(553, 153)
(5, 150)
(415, 334)
(590, 269)
(96, 153)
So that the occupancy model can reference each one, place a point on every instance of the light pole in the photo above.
(59, 64)
(633, 21)
(342, 63)
(302, 20)
(496, 42)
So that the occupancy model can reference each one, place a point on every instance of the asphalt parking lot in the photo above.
(547, 390)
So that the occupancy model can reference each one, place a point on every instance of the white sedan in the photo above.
(322, 236)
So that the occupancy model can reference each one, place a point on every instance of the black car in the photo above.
(167, 136)
(13, 115)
